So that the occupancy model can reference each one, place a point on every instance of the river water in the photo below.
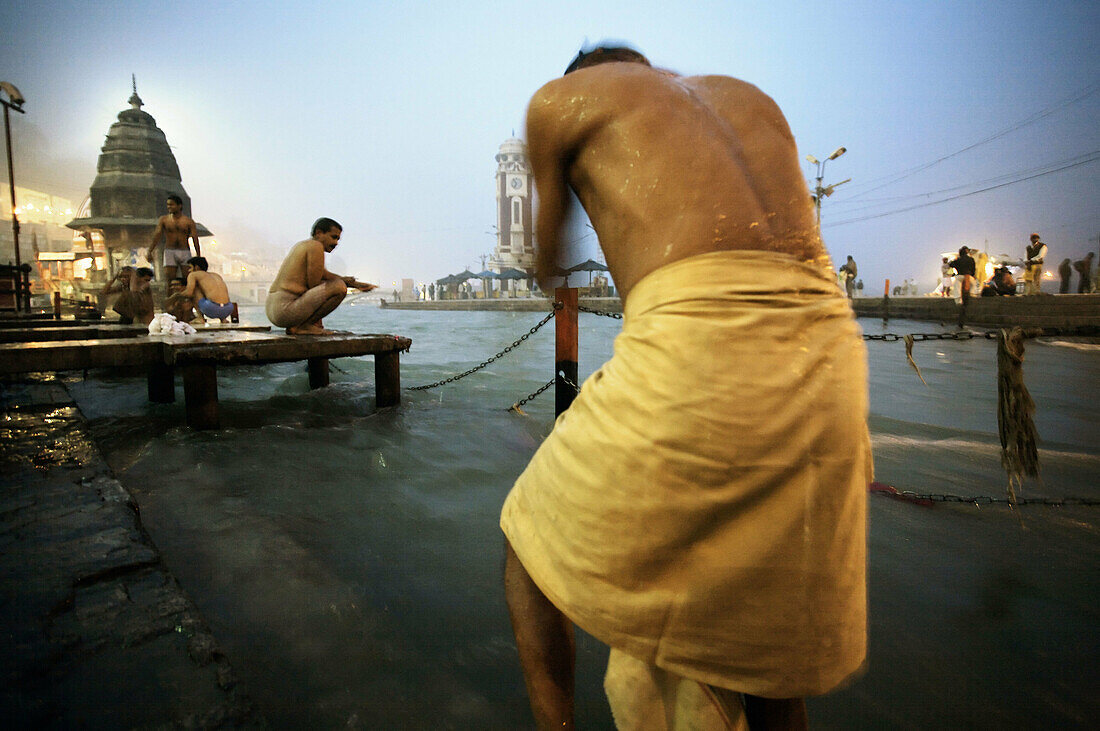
(349, 559)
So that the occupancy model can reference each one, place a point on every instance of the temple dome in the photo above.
(136, 173)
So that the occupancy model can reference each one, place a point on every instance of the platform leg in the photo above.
(200, 391)
(318, 372)
(387, 378)
(162, 383)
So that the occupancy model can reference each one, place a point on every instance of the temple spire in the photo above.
(135, 100)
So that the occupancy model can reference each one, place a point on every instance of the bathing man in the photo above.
(135, 296)
(174, 229)
(304, 291)
(701, 507)
(207, 290)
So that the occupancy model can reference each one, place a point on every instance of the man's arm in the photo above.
(158, 236)
(109, 287)
(194, 234)
(351, 282)
(189, 290)
(549, 162)
(315, 265)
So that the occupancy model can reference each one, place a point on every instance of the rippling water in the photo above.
(349, 559)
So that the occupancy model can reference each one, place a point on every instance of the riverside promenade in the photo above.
(94, 630)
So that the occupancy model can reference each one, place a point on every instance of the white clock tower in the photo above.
(515, 227)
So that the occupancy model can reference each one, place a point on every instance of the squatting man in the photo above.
(304, 291)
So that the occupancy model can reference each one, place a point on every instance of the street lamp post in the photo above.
(821, 191)
(14, 101)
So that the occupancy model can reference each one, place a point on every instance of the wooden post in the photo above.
(162, 383)
(387, 378)
(236, 316)
(200, 392)
(318, 372)
(57, 305)
(886, 291)
(565, 352)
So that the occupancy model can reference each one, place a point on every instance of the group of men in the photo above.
(198, 289)
(303, 291)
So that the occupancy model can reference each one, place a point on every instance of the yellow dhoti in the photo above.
(702, 504)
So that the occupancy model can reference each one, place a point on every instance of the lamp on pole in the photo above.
(821, 191)
(14, 101)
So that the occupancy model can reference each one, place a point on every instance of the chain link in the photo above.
(487, 361)
(601, 313)
(562, 376)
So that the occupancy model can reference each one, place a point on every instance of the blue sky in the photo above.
(386, 116)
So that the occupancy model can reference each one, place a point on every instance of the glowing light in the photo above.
(1048, 275)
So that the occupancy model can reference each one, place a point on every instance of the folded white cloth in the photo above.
(165, 324)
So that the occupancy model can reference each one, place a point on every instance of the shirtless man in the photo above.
(641, 517)
(175, 229)
(135, 296)
(304, 291)
(207, 290)
(180, 307)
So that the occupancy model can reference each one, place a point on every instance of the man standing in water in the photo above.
(701, 507)
(174, 229)
(304, 291)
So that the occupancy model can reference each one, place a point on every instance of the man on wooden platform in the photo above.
(304, 291)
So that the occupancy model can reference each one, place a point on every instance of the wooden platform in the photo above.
(70, 330)
(200, 355)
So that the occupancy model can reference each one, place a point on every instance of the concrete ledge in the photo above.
(94, 630)
(1048, 311)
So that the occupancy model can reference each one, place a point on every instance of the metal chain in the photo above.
(938, 497)
(548, 384)
(522, 401)
(920, 337)
(601, 313)
(486, 362)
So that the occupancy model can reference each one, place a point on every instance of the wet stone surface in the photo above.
(94, 632)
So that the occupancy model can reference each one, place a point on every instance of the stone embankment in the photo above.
(508, 304)
(94, 631)
(1062, 311)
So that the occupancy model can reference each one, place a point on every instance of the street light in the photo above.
(14, 101)
(825, 191)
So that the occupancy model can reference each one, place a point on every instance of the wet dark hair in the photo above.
(199, 261)
(146, 272)
(175, 198)
(324, 225)
(605, 54)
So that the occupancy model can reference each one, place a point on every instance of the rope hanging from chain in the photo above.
(487, 361)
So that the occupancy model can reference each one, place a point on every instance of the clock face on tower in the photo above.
(516, 183)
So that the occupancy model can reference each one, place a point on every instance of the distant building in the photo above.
(515, 247)
(136, 173)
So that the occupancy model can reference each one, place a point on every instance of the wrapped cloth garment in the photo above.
(702, 504)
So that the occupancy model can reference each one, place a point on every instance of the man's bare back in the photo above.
(208, 285)
(666, 167)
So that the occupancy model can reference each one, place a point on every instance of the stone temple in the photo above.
(136, 173)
